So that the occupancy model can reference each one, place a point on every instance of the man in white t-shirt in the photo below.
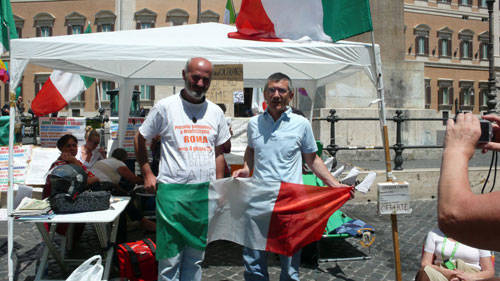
(193, 131)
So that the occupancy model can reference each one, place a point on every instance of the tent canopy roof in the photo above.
(157, 55)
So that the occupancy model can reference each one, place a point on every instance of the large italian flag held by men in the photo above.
(320, 20)
(273, 216)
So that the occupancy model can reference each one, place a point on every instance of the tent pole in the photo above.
(385, 139)
(10, 192)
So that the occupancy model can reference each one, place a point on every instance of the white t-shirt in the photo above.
(470, 255)
(107, 170)
(187, 147)
(96, 156)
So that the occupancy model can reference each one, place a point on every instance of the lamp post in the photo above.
(112, 103)
(491, 103)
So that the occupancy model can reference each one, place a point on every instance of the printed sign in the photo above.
(52, 128)
(393, 198)
(22, 154)
(133, 125)
(226, 80)
(38, 168)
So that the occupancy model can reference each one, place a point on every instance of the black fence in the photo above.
(398, 147)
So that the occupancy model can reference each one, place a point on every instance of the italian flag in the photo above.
(229, 13)
(274, 216)
(59, 90)
(319, 20)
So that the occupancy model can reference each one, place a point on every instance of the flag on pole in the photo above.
(273, 216)
(229, 13)
(7, 26)
(59, 90)
(319, 20)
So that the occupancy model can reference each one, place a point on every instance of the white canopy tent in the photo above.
(157, 56)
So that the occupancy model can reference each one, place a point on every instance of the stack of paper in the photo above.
(32, 207)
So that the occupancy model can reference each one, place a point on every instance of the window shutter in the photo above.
(416, 45)
(440, 49)
(152, 93)
(426, 46)
(440, 96)
(112, 27)
(452, 98)
(470, 2)
(99, 28)
(50, 31)
(449, 49)
(38, 32)
(138, 25)
(461, 97)
(462, 43)
(83, 96)
(69, 30)
(470, 49)
(152, 25)
(473, 99)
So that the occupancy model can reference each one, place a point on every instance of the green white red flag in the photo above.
(273, 216)
(319, 20)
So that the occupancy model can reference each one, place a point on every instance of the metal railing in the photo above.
(398, 147)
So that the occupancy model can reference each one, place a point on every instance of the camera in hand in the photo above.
(486, 131)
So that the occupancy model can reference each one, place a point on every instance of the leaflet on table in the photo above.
(22, 154)
(52, 128)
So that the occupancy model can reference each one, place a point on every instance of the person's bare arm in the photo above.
(219, 161)
(142, 158)
(467, 217)
(125, 172)
(247, 164)
(318, 167)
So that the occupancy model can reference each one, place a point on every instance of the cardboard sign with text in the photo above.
(394, 198)
(226, 80)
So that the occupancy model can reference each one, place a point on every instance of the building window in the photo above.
(444, 42)
(106, 86)
(209, 16)
(19, 26)
(466, 98)
(465, 2)
(427, 93)
(482, 4)
(445, 94)
(75, 113)
(43, 23)
(105, 21)
(145, 19)
(177, 17)
(483, 96)
(444, 1)
(465, 37)
(74, 23)
(483, 45)
(421, 33)
(39, 81)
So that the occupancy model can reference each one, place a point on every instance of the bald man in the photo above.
(193, 131)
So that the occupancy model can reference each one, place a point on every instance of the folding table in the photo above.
(98, 218)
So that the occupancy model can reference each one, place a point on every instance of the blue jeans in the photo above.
(255, 262)
(186, 266)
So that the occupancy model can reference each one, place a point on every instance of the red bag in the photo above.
(137, 260)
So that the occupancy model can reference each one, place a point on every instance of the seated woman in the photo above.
(89, 153)
(68, 145)
(111, 170)
(446, 259)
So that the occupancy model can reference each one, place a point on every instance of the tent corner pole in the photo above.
(10, 191)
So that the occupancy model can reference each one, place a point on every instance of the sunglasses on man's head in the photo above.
(281, 91)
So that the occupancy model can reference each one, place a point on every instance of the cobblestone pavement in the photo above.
(223, 259)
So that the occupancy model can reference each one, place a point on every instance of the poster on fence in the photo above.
(22, 154)
(133, 125)
(52, 128)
